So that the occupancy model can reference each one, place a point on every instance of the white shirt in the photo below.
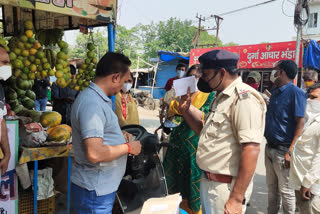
(305, 160)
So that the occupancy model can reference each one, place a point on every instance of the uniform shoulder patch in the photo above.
(243, 93)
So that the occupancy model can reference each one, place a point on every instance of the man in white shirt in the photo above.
(305, 159)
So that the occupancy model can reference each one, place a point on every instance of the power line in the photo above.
(245, 8)
(283, 8)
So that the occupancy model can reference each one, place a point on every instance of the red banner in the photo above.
(255, 56)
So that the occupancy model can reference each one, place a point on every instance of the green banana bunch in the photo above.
(49, 37)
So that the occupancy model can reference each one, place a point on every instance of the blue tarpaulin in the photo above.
(167, 56)
(311, 58)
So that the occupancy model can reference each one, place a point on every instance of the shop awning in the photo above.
(167, 56)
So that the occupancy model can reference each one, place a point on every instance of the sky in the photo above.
(266, 23)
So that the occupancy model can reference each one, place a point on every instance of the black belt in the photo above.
(278, 147)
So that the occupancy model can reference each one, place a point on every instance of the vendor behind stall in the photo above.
(5, 73)
(40, 88)
(126, 108)
(63, 99)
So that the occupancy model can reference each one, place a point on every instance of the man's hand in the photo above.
(135, 147)
(127, 136)
(185, 102)
(233, 206)
(287, 160)
(4, 164)
(305, 193)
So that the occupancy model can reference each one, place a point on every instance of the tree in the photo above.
(172, 35)
(230, 44)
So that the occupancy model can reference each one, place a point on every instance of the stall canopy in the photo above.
(167, 56)
(63, 14)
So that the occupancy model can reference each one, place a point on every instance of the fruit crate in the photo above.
(46, 206)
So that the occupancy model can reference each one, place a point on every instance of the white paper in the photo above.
(159, 207)
(181, 85)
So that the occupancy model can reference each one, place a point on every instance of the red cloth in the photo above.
(169, 83)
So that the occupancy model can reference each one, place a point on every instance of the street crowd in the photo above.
(217, 142)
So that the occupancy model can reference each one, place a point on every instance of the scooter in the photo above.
(144, 177)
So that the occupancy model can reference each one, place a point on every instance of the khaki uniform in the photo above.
(219, 150)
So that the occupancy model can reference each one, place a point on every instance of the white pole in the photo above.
(298, 44)
(154, 78)
(137, 74)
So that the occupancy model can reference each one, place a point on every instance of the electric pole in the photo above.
(218, 20)
(199, 28)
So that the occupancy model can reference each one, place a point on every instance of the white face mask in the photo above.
(312, 109)
(272, 76)
(5, 72)
(181, 73)
(126, 87)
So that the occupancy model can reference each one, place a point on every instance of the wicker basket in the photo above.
(26, 204)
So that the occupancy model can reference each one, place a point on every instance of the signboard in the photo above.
(102, 10)
(255, 56)
(9, 182)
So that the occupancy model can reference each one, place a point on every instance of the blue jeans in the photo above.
(40, 104)
(87, 202)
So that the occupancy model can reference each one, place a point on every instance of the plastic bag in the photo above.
(45, 183)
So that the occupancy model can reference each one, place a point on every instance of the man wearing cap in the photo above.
(230, 135)
(253, 79)
(284, 122)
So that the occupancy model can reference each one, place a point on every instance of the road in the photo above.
(258, 203)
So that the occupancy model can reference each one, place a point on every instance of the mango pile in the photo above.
(62, 65)
(87, 70)
(30, 61)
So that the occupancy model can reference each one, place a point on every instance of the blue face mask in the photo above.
(181, 73)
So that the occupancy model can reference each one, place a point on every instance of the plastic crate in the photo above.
(46, 206)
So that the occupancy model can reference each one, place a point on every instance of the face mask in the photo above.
(312, 109)
(205, 87)
(272, 76)
(5, 72)
(308, 84)
(126, 87)
(181, 73)
(254, 85)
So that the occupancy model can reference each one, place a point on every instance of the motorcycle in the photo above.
(144, 177)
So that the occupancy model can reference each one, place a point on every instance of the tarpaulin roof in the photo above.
(168, 56)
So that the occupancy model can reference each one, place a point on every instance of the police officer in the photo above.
(230, 135)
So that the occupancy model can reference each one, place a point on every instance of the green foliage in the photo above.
(230, 44)
(99, 39)
(146, 40)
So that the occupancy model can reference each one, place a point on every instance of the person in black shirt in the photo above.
(40, 88)
(63, 99)
(5, 73)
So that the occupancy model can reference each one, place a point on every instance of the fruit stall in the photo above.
(32, 32)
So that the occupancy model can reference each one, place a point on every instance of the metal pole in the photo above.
(35, 188)
(137, 74)
(111, 38)
(154, 78)
(298, 44)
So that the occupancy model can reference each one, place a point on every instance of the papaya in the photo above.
(50, 119)
(13, 103)
(31, 95)
(28, 103)
(63, 126)
(59, 134)
(18, 108)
